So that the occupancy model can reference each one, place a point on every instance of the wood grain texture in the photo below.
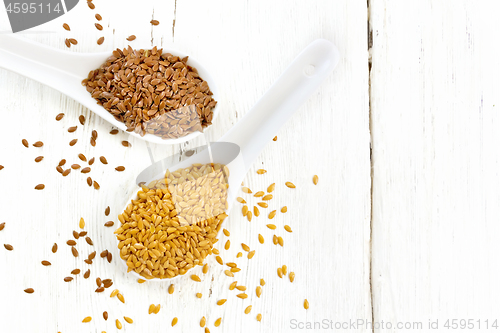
(247, 45)
(434, 107)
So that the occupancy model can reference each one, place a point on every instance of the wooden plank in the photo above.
(247, 44)
(434, 101)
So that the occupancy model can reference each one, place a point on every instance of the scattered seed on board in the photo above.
(239, 255)
(120, 168)
(219, 260)
(221, 301)
(91, 161)
(113, 131)
(126, 144)
(275, 138)
(227, 245)
(68, 279)
(271, 187)
(151, 309)
(59, 116)
(39, 187)
(66, 172)
(38, 159)
(128, 320)
(196, 278)
(275, 240)
(109, 224)
(66, 27)
(229, 273)
(103, 160)
(256, 211)
(25, 143)
(262, 282)
(121, 298)
(287, 228)
(203, 321)
(81, 224)
(75, 166)
(29, 291)
(245, 247)
(249, 216)
(246, 190)
(261, 171)
(118, 324)
(131, 38)
(73, 142)
(89, 241)
(241, 200)
(259, 194)
(54, 248)
(105, 315)
(226, 232)
(91, 5)
(62, 162)
(107, 211)
(1, 166)
(272, 214)
(109, 257)
(199, 295)
(75, 271)
(280, 241)
(241, 288)
(174, 321)
(267, 197)
(38, 144)
(306, 304)
(71, 242)
(86, 320)
(86, 275)
(248, 309)
(89, 181)
(217, 322)
(258, 291)
(271, 226)
(284, 209)
(244, 210)
(233, 285)
(73, 41)
(96, 185)
(98, 17)
(100, 41)
(155, 22)
(242, 295)
(157, 308)
(280, 272)
(284, 269)
(92, 142)
(251, 254)
(2, 226)
(86, 170)
(315, 179)
(67, 43)
(291, 276)
(171, 289)
(205, 269)
(74, 251)
(261, 239)
(290, 185)
(262, 204)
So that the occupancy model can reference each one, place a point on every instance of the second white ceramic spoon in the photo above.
(238, 148)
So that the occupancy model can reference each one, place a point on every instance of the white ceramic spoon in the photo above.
(239, 147)
(64, 71)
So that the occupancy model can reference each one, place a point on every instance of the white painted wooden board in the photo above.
(247, 44)
(434, 106)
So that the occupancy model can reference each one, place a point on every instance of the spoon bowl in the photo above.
(64, 71)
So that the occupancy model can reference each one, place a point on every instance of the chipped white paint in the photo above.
(248, 44)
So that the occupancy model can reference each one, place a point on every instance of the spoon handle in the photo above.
(304, 75)
(56, 68)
